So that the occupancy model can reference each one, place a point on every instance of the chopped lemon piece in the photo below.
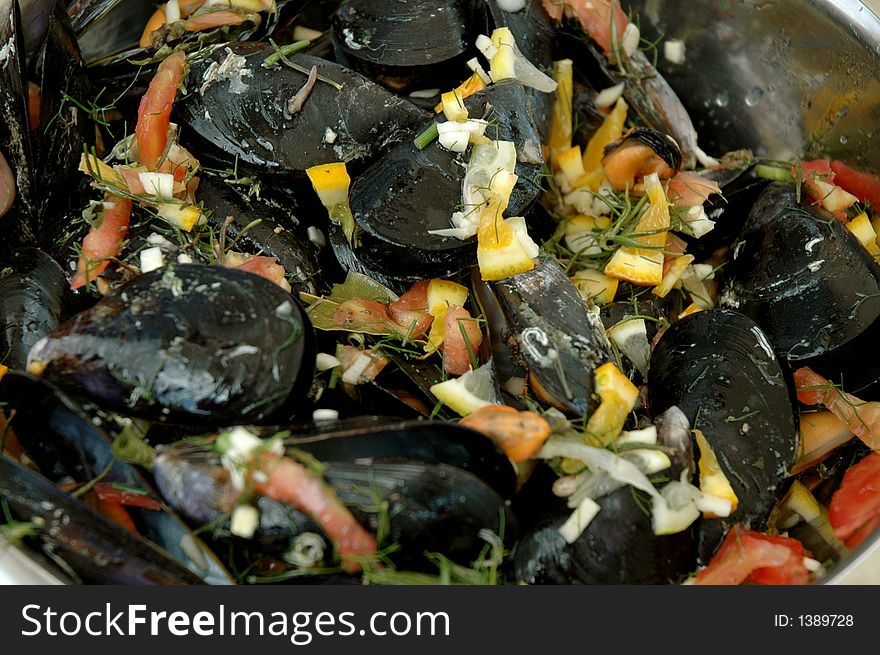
(466, 394)
(861, 227)
(673, 276)
(644, 266)
(609, 131)
(3, 371)
(619, 397)
(183, 216)
(453, 106)
(445, 293)
(595, 285)
(571, 167)
(503, 246)
(331, 183)
(693, 308)
(561, 118)
(713, 481)
(464, 90)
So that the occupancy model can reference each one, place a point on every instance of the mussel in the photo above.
(33, 291)
(718, 367)
(640, 152)
(810, 285)
(68, 445)
(405, 46)
(558, 338)
(408, 193)
(89, 545)
(239, 111)
(186, 343)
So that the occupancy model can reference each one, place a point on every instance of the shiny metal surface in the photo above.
(781, 77)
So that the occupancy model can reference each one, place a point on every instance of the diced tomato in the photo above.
(154, 112)
(554, 8)
(7, 185)
(462, 340)
(411, 311)
(106, 491)
(595, 16)
(864, 186)
(747, 556)
(104, 241)
(349, 354)
(268, 268)
(854, 511)
(863, 418)
(213, 19)
(689, 189)
(819, 181)
(362, 314)
(114, 511)
(288, 481)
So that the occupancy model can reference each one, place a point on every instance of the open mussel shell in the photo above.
(33, 298)
(560, 341)
(717, 366)
(406, 46)
(388, 439)
(409, 192)
(89, 545)
(535, 36)
(238, 111)
(430, 507)
(617, 547)
(277, 234)
(68, 445)
(810, 285)
(15, 138)
(188, 343)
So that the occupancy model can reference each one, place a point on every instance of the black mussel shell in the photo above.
(68, 445)
(409, 192)
(15, 138)
(188, 344)
(406, 46)
(33, 294)
(717, 366)
(559, 340)
(278, 233)
(238, 111)
(810, 285)
(617, 547)
(387, 439)
(98, 551)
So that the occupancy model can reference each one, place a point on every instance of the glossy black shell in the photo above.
(810, 285)
(718, 367)
(189, 344)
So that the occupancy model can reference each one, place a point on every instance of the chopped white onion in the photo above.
(424, 93)
(151, 259)
(646, 435)
(158, 184)
(511, 5)
(353, 373)
(607, 97)
(674, 51)
(245, 521)
(474, 64)
(631, 39)
(580, 518)
(631, 336)
(325, 415)
(326, 361)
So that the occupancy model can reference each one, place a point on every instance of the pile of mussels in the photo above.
(180, 407)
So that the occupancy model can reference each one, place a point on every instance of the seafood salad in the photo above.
(370, 292)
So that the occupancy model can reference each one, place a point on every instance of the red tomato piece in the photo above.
(362, 314)
(411, 311)
(268, 268)
(154, 112)
(554, 8)
(749, 556)
(863, 418)
(213, 19)
(107, 492)
(104, 241)
(461, 343)
(864, 186)
(689, 189)
(290, 482)
(855, 507)
(595, 16)
(115, 512)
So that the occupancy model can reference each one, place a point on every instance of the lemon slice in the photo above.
(469, 392)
